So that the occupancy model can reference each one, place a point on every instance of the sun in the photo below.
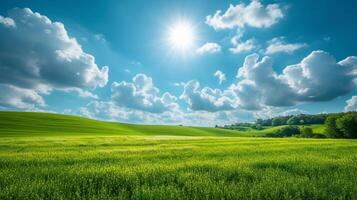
(181, 35)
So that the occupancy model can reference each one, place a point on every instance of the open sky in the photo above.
(201, 62)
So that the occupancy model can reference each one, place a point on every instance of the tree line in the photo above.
(337, 125)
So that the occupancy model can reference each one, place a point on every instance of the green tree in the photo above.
(288, 131)
(331, 127)
(294, 120)
(277, 121)
(306, 132)
(347, 124)
(259, 121)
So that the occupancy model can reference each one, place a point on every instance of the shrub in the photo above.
(279, 121)
(288, 131)
(347, 125)
(331, 127)
(294, 120)
(306, 132)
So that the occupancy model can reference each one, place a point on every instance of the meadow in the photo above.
(18, 124)
(68, 163)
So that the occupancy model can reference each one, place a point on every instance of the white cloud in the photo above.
(141, 94)
(110, 111)
(40, 54)
(351, 104)
(240, 46)
(8, 22)
(351, 63)
(247, 95)
(83, 111)
(278, 45)
(264, 80)
(255, 15)
(209, 47)
(318, 77)
(220, 75)
(15, 97)
(206, 99)
(80, 92)
(270, 112)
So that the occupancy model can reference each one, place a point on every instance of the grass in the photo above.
(46, 124)
(168, 167)
(48, 156)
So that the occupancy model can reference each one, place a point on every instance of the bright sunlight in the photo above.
(181, 35)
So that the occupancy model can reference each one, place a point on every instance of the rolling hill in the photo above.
(49, 124)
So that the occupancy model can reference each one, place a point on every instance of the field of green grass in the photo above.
(47, 156)
(47, 124)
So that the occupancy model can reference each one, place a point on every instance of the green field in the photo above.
(47, 156)
(45, 124)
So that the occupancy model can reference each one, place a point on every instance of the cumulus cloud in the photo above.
(206, 99)
(254, 14)
(141, 94)
(351, 104)
(8, 22)
(108, 110)
(270, 112)
(209, 47)
(15, 97)
(38, 54)
(247, 95)
(318, 77)
(261, 76)
(242, 46)
(220, 75)
(351, 64)
(278, 45)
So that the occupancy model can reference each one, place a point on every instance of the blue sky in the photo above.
(119, 60)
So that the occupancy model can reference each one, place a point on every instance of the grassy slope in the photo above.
(101, 160)
(44, 124)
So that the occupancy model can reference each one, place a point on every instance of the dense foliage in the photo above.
(286, 131)
(301, 119)
(337, 125)
(342, 125)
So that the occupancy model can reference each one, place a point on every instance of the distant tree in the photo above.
(259, 121)
(259, 127)
(288, 131)
(306, 132)
(331, 127)
(277, 121)
(294, 120)
(347, 124)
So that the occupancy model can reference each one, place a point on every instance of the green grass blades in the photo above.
(169, 167)
(47, 124)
